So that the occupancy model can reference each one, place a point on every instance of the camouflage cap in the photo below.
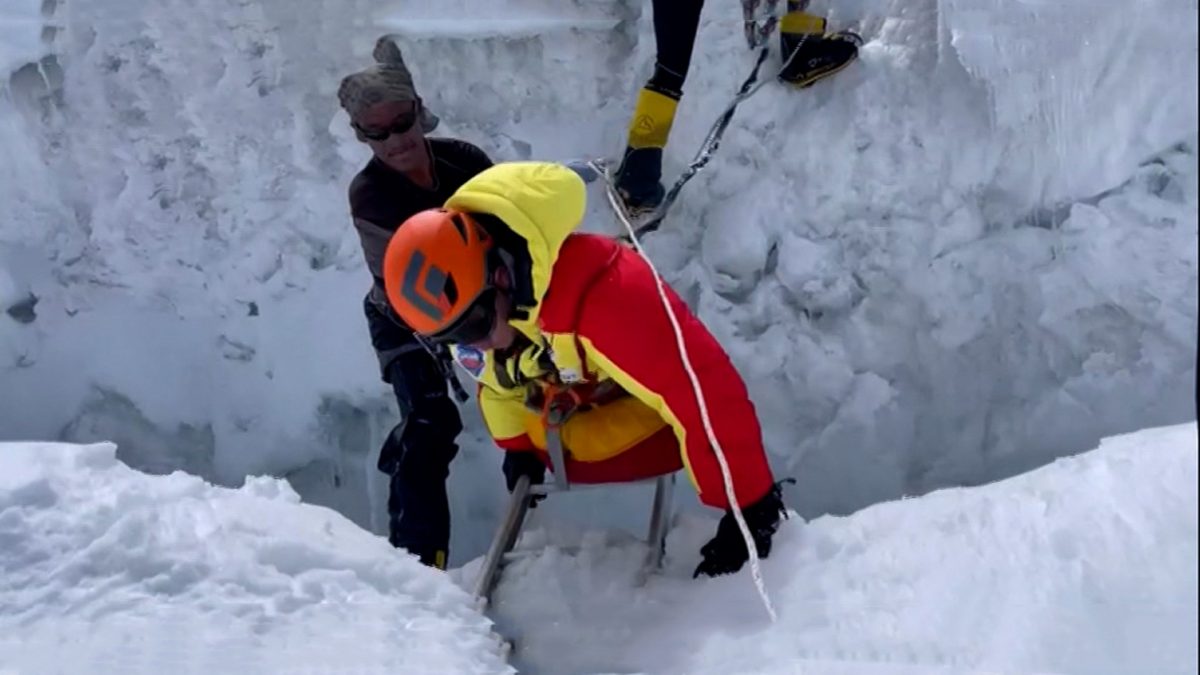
(387, 81)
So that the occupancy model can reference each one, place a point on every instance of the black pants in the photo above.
(675, 26)
(418, 451)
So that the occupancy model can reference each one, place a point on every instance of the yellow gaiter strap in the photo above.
(802, 23)
(652, 118)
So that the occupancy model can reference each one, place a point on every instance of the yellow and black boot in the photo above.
(640, 173)
(809, 53)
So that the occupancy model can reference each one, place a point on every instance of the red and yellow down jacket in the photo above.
(599, 319)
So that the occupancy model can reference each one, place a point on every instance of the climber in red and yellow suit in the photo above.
(539, 312)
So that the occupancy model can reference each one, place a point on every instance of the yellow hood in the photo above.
(540, 201)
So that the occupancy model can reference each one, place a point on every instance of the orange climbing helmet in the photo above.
(437, 276)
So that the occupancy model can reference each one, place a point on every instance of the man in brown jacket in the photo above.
(408, 173)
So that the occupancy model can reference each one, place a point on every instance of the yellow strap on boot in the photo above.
(802, 23)
(652, 119)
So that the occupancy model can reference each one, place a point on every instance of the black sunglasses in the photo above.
(400, 125)
(474, 325)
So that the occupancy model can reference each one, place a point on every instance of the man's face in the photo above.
(502, 334)
(393, 131)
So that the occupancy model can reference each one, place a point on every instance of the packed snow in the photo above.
(104, 569)
(1088, 565)
(1084, 566)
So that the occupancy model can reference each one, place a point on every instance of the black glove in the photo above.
(726, 552)
(517, 464)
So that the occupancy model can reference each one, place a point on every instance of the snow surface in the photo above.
(104, 569)
(973, 251)
(21, 24)
(1088, 565)
(1084, 566)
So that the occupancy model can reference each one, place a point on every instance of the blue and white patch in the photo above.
(470, 359)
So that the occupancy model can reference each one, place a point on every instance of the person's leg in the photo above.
(418, 506)
(418, 451)
(640, 173)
